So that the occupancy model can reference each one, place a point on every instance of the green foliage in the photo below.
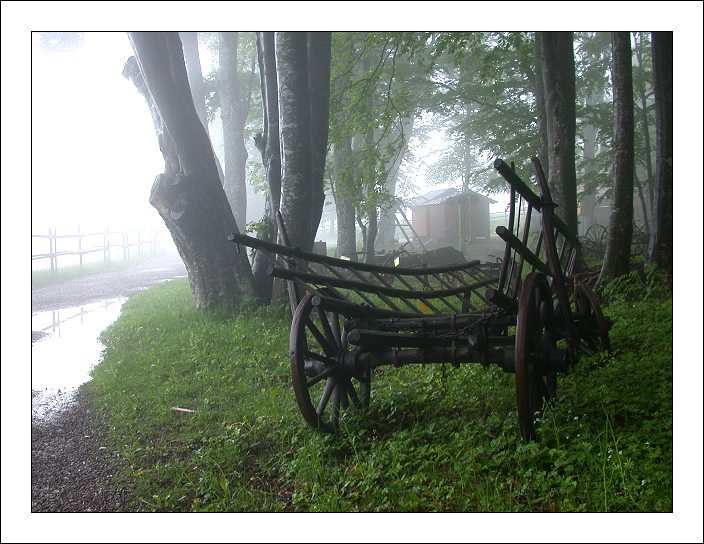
(259, 228)
(433, 440)
(646, 284)
(484, 103)
(374, 87)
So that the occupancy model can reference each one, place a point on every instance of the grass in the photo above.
(433, 439)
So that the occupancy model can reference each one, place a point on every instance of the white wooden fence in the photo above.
(66, 248)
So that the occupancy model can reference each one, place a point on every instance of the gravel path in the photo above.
(71, 470)
(120, 283)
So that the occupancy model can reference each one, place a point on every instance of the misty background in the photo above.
(95, 153)
(109, 156)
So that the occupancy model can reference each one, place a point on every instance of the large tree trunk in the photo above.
(319, 56)
(661, 239)
(344, 201)
(559, 81)
(618, 245)
(301, 202)
(540, 113)
(234, 119)
(295, 132)
(188, 195)
(268, 145)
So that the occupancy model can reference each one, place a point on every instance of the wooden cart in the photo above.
(350, 318)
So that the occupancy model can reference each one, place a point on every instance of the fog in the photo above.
(94, 149)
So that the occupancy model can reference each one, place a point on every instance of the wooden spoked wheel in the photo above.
(595, 238)
(535, 341)
(323, 388)
(592, 326)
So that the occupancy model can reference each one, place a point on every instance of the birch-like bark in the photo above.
(557, 56)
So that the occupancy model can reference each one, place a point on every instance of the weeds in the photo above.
(427, 443)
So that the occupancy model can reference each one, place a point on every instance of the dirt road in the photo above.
(71, 470)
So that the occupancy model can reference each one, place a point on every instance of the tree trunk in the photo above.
(644, 123)
(587, 216)
(559, 81)
(294, 129)
(268, 145)
(319, 56)
(191, 56)
(645, 130)
(189, 40)
(540, 113)
(344, 203)
(234, 119)
(188, 195)
(661, 252)
(618, 245)
(372, 218)
(301, 203)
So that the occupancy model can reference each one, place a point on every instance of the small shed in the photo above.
(450, 217)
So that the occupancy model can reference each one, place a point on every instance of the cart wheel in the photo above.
(535, 340)
(593, 327)
(595, 238)
(323, 389)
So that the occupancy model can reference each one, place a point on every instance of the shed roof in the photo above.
(441, 195)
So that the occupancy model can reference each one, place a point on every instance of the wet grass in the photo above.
(433, 440)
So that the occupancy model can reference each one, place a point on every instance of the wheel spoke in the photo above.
(329, 334)
(336, 394)
(543, 388)
(336, 329)
(353, 394)
(323, 389)
(317, 357)
(329, 386)
(324, 374)
(329, 349)
(343, 397)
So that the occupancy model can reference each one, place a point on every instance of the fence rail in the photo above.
(80, 244)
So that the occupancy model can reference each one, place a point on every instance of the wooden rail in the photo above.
(82, 243)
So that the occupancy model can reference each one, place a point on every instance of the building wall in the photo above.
(441, 223)
(478, 218)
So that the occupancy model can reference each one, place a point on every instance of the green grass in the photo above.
(432, 440)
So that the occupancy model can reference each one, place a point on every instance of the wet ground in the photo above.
(67, 319)
(71, 469)
(65, 350)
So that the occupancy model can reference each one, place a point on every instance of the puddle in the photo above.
(65, 351)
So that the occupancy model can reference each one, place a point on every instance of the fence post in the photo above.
(80, 247)
(125, 249)
(51, 251)
(139, 243)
